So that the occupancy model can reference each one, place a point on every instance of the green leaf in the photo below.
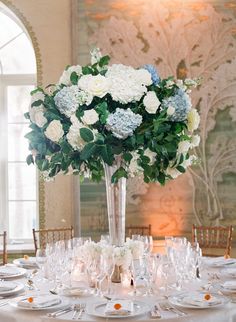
(104, 61)
(161, 178)
(86, 134)
(74, 78)
(65, 147)
(86, 70)
(30, 159)
(106, 154)
(127, 156)
(45, 165)
(88, 151)
(120, 173)
(180, 169)
(26, 115)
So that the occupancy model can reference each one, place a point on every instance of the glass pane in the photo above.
(18, 101)
(22, 218)
(17, 143)
(22, 182)
(8, 29)
(15, 63)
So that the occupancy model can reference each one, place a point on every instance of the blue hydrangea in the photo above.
(181, 103)
(152, 70)
(122, 123)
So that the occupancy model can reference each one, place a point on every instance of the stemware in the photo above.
(147, 242)
(108, 263)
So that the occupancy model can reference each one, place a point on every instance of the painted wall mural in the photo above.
(183, 38)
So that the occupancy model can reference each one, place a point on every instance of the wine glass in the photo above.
(148, 243)
(41, 259)
(108, 263)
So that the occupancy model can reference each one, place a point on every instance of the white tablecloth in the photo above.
(221, 314)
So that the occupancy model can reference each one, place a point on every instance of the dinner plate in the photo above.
(18, 287)
(220, 262)
(180, 300)
(63, 303)
(228, 290)
(98, 310)
(229, 272)
(16, 272)
(26, 263)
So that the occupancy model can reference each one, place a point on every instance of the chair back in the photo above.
(138, 230)
(42, 237)
(213, 238)
(3, 252)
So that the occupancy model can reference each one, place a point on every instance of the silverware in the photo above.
(76, 308)
(82, 309)
(60, 312)
(170, 308)
(155, 312)
(4, 303)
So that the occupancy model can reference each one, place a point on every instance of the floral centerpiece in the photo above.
(100, 116)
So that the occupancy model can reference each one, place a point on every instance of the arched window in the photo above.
(18, 182)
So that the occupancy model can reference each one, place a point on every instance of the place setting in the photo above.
(26, 262)
(11, 271)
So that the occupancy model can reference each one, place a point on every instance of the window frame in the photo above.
(5, 81)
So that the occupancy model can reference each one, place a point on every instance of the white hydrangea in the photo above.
(183, 147)
(136, 247)
(195, 140)
(90, 251)
(122, 256)
(96, 55)
(90, 117)
(39, 95)
(65, 77)
(54, 131)
(69, 98)
(125, 84)
(134, 169)
(95, 85)
(193, 119)
(37, 115)
(151, 155)
(179, 83)
(151, 102)
(169, 83)
(142, 75)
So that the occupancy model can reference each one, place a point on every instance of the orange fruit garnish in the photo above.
(226, 257)
(26, 257)
(117, 306)
(207, 297)
(30, 299)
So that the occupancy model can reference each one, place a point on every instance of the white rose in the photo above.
(54, 131)
(151, 155)
(37, 116)
(193, 119)
(170, 111)
(195, 141)
(151, 102)
(65, 77)
(37, 96)
(143, 76)
(187, 162)
(90, 117)
(183, 146)
(96, 85)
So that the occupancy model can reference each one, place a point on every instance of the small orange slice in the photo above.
(117, 306)
(26, 257)
(226, 257)
(30, 299)
(207, 297)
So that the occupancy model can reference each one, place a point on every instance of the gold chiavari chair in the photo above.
(213, 238)
(44, 236)
(138, 230)
(3, 252)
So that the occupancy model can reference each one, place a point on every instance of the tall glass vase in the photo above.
(116, 201)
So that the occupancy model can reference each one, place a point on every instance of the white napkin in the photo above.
(7, 286)
(31, 261)
(39, 302)
(75, 291)
(127, 307)
(199, 300)
(231, 285)
(230, 271)
(8, 271)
